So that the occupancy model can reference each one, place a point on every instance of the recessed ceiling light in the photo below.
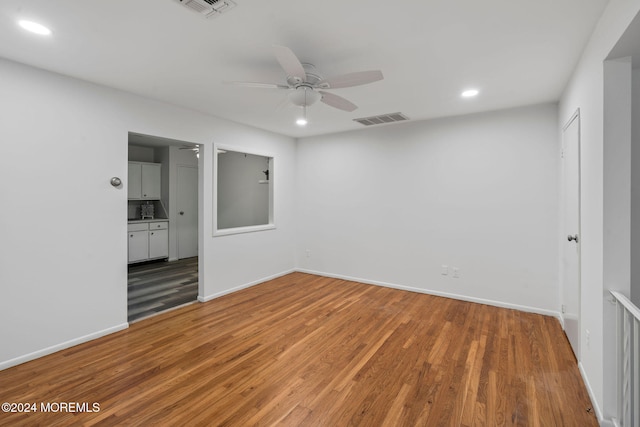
(301, 121)
(34, 27)
(469, 93)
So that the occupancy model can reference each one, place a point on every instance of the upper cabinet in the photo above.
(144, 181)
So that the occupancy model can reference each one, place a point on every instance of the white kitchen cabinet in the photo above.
(138, 245)
(159, 243)
(159, 239)
(148, 240)
(135, 181)
(144, 181)
(151, 178)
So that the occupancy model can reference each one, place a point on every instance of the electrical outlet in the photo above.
(456, 272)
(444, 270)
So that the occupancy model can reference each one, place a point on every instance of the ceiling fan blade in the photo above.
(337, 101)
(352, 79)
(258, 85)
(290, 63)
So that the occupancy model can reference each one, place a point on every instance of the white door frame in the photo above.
(201, 185)
(575, 116)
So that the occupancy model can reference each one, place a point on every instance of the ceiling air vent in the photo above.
(382, 119)
(209, 8)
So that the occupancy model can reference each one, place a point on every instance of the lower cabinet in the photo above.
(159, 243)
(138, 246)
(148, 240)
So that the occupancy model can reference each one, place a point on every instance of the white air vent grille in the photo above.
(208, 8)
(382, 119)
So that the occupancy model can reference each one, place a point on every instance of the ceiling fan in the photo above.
(306, 87)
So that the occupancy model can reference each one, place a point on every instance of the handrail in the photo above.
(627, 361)
(626, 302)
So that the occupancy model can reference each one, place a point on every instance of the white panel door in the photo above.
(571, 232)
(187, 208)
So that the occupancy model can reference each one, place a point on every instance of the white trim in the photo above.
(252, 228)
(575, 116)
(501, 304)
(246, 285)
(592, 396)
(240, 149)
(45, 351)
(246, 229)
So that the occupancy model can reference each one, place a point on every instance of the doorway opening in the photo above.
(162, 223)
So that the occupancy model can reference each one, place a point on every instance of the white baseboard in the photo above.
(594, 401)
(246, 285)
(61, 346)
(501, 304)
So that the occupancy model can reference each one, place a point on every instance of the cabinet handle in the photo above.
(152, 234)
(131, 235)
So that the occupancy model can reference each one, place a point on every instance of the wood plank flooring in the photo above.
(158, 286)
(304, 350)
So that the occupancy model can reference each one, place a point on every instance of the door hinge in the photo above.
(563, 308)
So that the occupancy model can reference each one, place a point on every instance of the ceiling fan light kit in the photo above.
(304, 96)
(306, 87)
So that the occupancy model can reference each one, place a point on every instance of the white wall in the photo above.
(585, 91)
(141, 154)
(63, 273)
(479, 192)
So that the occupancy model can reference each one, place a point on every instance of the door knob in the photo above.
(181, 212)
(574, 238)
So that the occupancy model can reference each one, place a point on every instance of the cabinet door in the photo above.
(151, 181)
(159, 243)
(135, 181)
(138, 245)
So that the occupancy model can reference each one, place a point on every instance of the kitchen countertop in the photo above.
(136, 221)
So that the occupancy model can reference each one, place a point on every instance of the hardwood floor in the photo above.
(303, 350)
(158, 286)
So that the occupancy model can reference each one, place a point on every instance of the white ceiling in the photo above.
(515, 52)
